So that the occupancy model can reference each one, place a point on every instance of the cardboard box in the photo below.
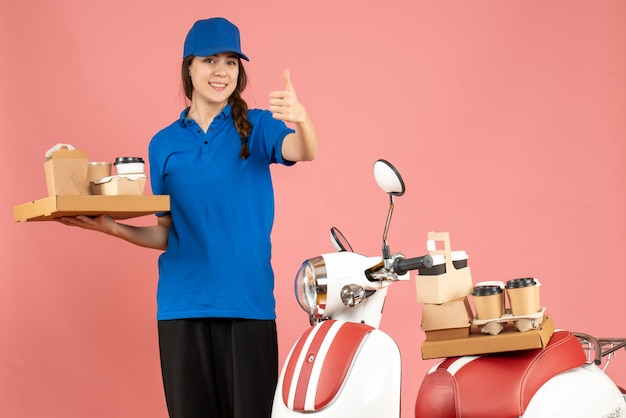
(66, 171)
(119, 185)
(453, 284)
(447, 320)
(508, 340)
(117, 207)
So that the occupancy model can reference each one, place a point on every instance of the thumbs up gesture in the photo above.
(284, 104)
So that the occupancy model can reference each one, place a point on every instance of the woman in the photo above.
(216, 316)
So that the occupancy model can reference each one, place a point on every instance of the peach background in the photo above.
(506, 119)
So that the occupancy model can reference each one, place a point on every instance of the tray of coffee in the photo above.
(117, 207)
(522, 322)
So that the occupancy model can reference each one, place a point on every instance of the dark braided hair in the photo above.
(238, 105)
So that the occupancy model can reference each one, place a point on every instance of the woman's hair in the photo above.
(238, 105)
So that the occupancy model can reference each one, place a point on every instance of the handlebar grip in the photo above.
(404, 265)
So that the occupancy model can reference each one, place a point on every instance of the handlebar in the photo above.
(404, 265)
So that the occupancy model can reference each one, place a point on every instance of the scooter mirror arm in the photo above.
(387, 255)
(386, 249)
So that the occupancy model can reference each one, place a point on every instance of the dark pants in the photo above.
(219, 368)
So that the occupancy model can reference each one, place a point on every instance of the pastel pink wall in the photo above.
(506, 119)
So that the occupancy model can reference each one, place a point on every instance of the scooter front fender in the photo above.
(340, 369)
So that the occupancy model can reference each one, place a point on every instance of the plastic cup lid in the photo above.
(486, 290)
(522, 282)
(128, 160)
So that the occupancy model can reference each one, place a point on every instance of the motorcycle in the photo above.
(343, 365)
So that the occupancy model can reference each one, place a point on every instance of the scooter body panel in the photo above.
(584, 392)
(348, 268)
(312, 382)
(551, 382)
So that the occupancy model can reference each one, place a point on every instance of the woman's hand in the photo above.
(100, 223)
(284, 104)
(155, 236)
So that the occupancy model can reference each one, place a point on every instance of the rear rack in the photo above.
(597, 348)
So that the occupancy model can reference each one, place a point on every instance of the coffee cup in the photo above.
(488, 300)
(129, 165)
(523, 296)
(98, 170)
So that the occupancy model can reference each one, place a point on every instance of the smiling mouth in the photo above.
(218, 85)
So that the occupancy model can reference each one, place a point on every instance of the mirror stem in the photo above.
(386, 250)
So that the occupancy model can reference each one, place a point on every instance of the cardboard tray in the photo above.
(523, 323)
(508, 340)
(117, 207)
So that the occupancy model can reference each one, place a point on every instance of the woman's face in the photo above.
(214, 78)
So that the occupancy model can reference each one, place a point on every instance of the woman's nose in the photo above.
(220, 69)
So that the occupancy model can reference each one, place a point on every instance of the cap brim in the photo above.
(217, 50)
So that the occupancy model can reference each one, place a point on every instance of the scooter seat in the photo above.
(495, 385)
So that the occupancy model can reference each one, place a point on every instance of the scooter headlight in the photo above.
(310, 286)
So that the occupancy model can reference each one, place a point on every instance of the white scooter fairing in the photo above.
(338, 275)
(583, 392)
(340, 369)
